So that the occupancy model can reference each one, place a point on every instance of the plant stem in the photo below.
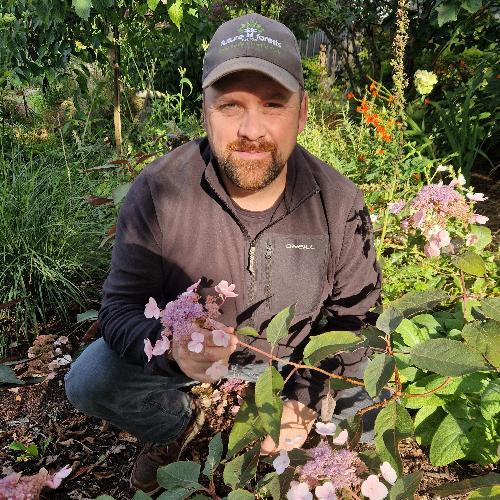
(464, 291)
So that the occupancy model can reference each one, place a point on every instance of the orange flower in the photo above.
(386, 137)
(373, 87)
(350, 95)
(391, 98)
(364, 107)
(416, 176)
(427, 101)
(361, 157)
(372, 119)
(380, 151)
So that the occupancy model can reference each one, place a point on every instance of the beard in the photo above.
(251, 175)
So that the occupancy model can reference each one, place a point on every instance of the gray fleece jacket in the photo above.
(178, 224)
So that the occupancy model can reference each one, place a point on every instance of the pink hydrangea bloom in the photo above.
(341, 438)
(325, 491)
(431, 250)
(196, 343)
(373, 489)
(281, 462)
(325, 429)
(395, 207)
(194, 286)
(161, 346)
(476, 197)
(180, 315)
(478, 219)
(225, 289)
(388, 473)
(221, 338)
(299, 491)
(217, 370)
(152, 310)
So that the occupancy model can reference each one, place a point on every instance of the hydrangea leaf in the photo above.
(490, 399)
(175, 493)
(406, 486)
(248, 331)
(270, 485)
(152, 4)
(472, 5)
(447, 12)
(321, 346)
(180, 474)
(484, 336)
(483, 234)
(449, 442)
(176, 13)
(486, 493)
(490, 307)
(447, 357)
(426, 422)
(411, 333)
(240, 494)
(215, 449)
(467, 485)
(82, 8)
(378, 372)
(279, 325)
(138, 495)
(242, 469)
(268, 401)
(470, 263)
(389, 319)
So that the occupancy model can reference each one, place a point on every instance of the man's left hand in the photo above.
(296, 423)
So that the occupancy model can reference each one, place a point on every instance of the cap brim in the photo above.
(277, 73)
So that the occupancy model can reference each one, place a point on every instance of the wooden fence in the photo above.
(318, 43)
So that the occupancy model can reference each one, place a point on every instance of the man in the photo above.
(246, 205)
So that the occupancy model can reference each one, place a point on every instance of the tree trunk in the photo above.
(115, 63)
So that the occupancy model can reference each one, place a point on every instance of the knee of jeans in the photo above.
(81, 391)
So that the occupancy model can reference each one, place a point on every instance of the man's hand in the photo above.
(296, 423)
(195, 365)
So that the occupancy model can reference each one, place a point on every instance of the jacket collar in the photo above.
(300, 181)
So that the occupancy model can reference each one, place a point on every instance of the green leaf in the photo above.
(109, 497)
(176, 493)
(389, 320)
(427, 420)
(248, 331)
(392, 424)
(472, 5)
(406, 486)
(482, 442)
(415, 302)
(483, 233)
(120, 192)
(17, 446)
(90, 315)
(448, 443)
(82, 8)
(240, 494)
(448, 489)
(490, 400)
(140, 495)
(490, 307)
(269, 485)
(411, 333)
(183, 474)
(486, 493)
(7, 376)
(484, 336)
(152, 4)
(279, 325)
(321, 346)
(247, 427)
(373, 337)
(446, 357)
(470, 263)
(243, 468)
(215, 449)
(378, 372)
(446, 12)
(268, 401)
(175, 13)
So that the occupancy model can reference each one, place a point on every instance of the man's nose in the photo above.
(252, 125)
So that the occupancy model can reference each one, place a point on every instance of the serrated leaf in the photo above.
(486, 493)
(176, 13)
(392, 424)
(389, 320)
(240, 494)
(490, 400)
(373, 337)
(242, 469)
(215, 449)
(483, 234)
(268, 401)
(481, 441)
(279, 325)
(90, 315)
(490, 307)
(378, 372)
(448, 443)
(321, 346)
(270, 485)
(472, 5)
(470, 263)
(183, 474)
(446, 12)
(82, 8)
(418, 301)
(427, 420)
(248, 331)
(120, 192)
(406, 487)
(152, 4)
(247, 427)
(448, 489)
(484, 336)
(411, 333)
(446, 357)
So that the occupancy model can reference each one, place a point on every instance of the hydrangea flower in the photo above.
(388, 473)
(152, 310)
(325, 491)
(478, 219)
(395, 207)
(476, 197)
(196, 343)
(217, 370)
(221, 338)
(373, 489)
(281, 462)
(161, 346)
(341, 438)
(225, 289)
(299, 491)
(325, 429)
(425, 81)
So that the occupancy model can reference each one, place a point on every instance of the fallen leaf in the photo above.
(125, 436)
(103, 475)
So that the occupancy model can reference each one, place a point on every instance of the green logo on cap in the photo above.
(251, 28)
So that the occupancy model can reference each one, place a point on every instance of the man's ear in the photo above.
(304, 108)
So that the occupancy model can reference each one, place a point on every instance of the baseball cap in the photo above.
(254, 42)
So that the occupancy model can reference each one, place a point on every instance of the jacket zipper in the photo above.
(267, 272)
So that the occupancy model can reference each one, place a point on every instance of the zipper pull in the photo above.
(251, 259)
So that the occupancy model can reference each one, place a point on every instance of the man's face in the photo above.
(252, 123)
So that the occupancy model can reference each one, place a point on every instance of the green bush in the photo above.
(313, 73)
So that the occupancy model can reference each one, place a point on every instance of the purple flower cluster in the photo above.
(181, 315)
(341, 467)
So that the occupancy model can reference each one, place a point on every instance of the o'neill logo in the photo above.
(251, 32)
(300, 247)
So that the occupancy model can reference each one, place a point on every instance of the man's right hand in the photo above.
(195, 365)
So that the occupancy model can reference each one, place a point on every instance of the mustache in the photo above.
(252, 147)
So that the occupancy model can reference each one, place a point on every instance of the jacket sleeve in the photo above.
(136, 274)
(356, 289)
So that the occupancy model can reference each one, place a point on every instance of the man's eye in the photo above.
(228, 105)
(273, 105)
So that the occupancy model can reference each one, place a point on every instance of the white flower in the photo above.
(325, 429)
(281, 462)
(325, 491)
(341, 438)
(64, 360)
(441, 168)
(476, 197)
(478, 219)
(425, 81)
(373, 217)
(388, 473)
(299, 491)
(373, 489)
